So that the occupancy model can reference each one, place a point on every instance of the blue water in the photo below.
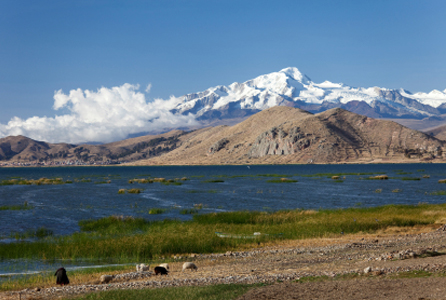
(60, 207)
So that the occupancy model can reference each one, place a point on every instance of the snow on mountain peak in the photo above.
(294, 73)
(290, 85)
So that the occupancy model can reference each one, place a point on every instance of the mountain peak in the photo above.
(294, 73)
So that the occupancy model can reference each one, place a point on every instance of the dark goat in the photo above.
(161, 270)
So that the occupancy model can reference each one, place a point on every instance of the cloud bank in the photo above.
(105, 115)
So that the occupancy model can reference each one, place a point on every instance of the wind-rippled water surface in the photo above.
(60, 207)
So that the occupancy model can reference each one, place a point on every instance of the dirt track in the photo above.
(373, 265)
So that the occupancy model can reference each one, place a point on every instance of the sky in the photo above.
(74, 71)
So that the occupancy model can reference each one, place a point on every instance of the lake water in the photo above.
(60, 207)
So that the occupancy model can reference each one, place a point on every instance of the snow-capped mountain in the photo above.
(289, 87)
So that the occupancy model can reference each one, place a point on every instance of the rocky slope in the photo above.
(290, 135)
(23, 149)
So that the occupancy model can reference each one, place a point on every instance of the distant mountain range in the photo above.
(289, 87)
(278, 135)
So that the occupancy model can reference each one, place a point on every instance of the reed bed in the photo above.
(330, 175)
(24, 206)
(282, 180)
(157, 211)
(125, 239)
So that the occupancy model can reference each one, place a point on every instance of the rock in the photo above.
(106, 278)
(367, 270)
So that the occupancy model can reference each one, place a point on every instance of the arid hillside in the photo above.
(23, 149)
(289, 135)
(279, 135)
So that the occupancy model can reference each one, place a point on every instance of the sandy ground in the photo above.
(371, 267)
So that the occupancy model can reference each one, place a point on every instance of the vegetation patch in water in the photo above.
(213, 181)
(410, 178)
(39, 233)
(438, 193)
(281, 180)
(157, 211)
(23, 206)
(171, 183)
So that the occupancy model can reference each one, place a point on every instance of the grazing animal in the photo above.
(61, 276)
(161, 270)
(164, 265)
(106, 278)
(142, 268)
(189, 265)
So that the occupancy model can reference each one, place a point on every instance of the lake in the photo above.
(59, 208)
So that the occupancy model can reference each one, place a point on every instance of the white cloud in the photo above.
(148, 88)
(105, 115)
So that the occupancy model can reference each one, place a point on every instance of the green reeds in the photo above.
(23, 206)
(282, 180)
(438, 193)
(171, 183)
(121, 191)
(134, 191)
(190, 211)
(157, 211)
(126, 239)
(213, 181)
(39, 233)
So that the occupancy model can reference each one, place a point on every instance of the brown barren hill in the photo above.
(438, 132)
(283, 135)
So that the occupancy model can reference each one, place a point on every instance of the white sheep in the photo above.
(142, 268)
(164, 265)
(189, 265)
(106, 278)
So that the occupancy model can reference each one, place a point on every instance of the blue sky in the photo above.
(183, 47)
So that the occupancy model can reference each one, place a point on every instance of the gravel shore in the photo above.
(365, 256)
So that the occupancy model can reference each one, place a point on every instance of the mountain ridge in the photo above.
(290, 87)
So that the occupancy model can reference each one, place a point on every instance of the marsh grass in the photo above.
(134, 191)
(190, 211)
(411, 178)
(171, 183)
(41, 181)
(282, 180)
(125, 239)
(24, 206)
(39, 233)
(330, 175)
(157, 211)
(438, 193)
(403, 173)
(213, 181)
